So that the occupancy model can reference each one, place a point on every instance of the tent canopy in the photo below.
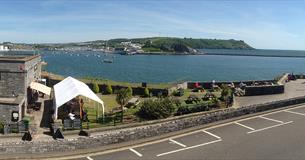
(41, 88)
(70, 88)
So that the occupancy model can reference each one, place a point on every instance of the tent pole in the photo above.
(98, 110)
(103, 113)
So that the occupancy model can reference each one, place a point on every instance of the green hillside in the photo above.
(168, 44)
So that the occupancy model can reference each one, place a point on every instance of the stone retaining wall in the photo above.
(141, 130)
(264, 90)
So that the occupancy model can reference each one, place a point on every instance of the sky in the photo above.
(263, 24)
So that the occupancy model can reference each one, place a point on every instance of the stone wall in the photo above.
(264, 90)
(16, 75)
(138, 131)
(11, 82)
(6, 111)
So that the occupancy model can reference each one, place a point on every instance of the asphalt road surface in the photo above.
(276, 135)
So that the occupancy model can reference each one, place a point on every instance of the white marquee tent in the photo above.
(70, 88)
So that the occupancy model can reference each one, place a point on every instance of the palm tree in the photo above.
(122, 97)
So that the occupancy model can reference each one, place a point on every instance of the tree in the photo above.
(122, 97)
(109, 89)
(146, 92)
(226, 94)
(96, 88)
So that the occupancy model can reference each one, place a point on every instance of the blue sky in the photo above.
(262, 24)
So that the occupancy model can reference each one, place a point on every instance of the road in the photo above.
(276, 135)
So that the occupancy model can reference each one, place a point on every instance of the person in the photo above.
(36, 96)
(85, 116)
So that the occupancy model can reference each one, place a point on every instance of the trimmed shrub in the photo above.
(186, 109)
(96, 88)
(157, 109)
(108, 89)
(130, 92)
(146, 92)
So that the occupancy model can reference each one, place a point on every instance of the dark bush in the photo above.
(186, 109)
(157, 109)
(179, 92)
(1, 126)
(192, 98)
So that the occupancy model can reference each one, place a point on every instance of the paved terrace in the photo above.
(292, 89)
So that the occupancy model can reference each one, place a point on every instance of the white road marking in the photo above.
(89, 158)
(176, 142)
(245, 126)
(258, 130)
(270, 119)
(135, 152)
(288, 111)
(211, 134)
(186, 148)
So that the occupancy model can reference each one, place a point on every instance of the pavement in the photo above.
(275, 135)
(292, 89)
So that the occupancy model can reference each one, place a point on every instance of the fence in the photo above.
(18, 127)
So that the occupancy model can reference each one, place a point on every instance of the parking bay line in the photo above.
(135, 152)
(245, 126)
(270, 119)
(176, 142)
(288, 111)
(211, 134)
(258, 130)
(89, 158)
(187, 148)
(189, 133)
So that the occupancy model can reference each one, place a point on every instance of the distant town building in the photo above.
(16, 74)
(4, 48)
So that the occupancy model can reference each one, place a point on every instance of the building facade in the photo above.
(4, 48)
(16, 74)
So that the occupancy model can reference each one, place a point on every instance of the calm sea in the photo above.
(158, 68)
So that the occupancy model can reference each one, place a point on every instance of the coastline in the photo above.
(254, 55)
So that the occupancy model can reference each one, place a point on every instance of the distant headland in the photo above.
(151, 45)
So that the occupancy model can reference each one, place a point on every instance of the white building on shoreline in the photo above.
(4, 48)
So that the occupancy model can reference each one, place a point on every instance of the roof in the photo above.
(40, 87)
(18, 57)
(70, 88)
(12, 100)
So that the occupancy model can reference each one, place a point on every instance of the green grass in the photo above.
(151, 49)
